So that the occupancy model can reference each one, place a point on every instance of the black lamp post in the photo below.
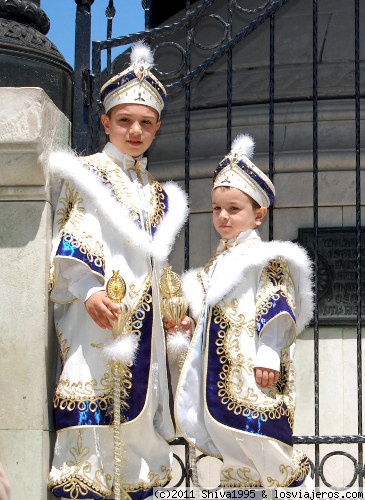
(28, 58)
(80, 119)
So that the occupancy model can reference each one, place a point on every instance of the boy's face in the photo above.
(131, 127)
(234, 212)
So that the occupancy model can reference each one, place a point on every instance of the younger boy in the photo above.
(236, 394)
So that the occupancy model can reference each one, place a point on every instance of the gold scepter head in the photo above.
(173, 305)
(116, 291)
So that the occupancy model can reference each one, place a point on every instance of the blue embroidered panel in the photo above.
(142, 321)
(246, 420)
(164, 207)
(64, 417)
(67, 249)
(59, 492)
(276, 305)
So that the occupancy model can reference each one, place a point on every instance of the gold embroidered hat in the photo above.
(237, 170)
(136, 84)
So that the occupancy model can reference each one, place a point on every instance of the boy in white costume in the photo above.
(236, 393)
(113, 216)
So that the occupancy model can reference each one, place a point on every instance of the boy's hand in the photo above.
(102, 310)
(265, 377)
(186, 326)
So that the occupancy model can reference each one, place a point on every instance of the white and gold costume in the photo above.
(250, 302)
(110, 215)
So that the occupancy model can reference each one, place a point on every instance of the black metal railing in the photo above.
(87, 138)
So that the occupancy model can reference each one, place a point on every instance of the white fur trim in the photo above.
(226, 277)
(65, 165)
(172, 222)
(177, 344)
(123, 349)
(193, 292)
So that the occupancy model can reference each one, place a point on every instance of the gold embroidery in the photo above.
(154, 480)
(97, 346)
(236, 477)
(74, 476)
(113, 176)
(63, 346)
(285, 384)
(143, 305)
(158, 204)
(292, 473)
(275, 278)
(51, 278)
(72, 213)
(72, 208)
(241, 477)
(93, 250)
(79, 452)
(233, 389)
(209, 263)
(75, 395)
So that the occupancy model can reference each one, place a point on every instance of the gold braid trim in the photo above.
(155, 480)
(238, 477)
(76, 476)
(77, 485)
(297, 472)
(276, 404)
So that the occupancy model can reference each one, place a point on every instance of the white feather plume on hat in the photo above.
(141, 52)
(243, 144)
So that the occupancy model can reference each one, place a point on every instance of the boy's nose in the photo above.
(136, 128)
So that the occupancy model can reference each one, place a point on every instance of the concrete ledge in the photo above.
(30, 126)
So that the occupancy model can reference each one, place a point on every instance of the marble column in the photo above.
(30, 127)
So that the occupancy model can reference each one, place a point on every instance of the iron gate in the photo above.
(232, 34)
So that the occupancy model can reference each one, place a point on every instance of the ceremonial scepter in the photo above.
(120, 354)
(174, 307)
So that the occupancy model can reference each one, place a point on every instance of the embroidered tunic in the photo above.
(110, 215)
(251, 300)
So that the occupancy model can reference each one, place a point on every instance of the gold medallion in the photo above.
(170, 283)
(116, 287)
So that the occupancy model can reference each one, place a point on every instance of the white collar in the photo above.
(125, 161)
(249, 236)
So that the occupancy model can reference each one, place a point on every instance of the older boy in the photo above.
(112, 215)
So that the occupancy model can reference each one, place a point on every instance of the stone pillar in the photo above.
(30, 127)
